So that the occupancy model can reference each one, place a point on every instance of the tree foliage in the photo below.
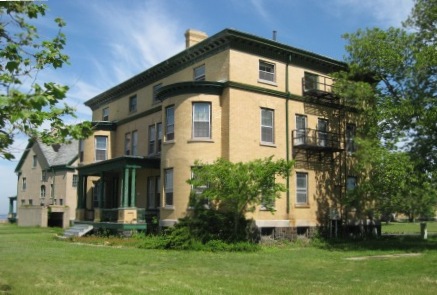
(25, 104)
(237, 188)
(398, 128)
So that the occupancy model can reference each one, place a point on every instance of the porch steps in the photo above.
(78, 230)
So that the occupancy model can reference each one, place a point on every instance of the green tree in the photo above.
(397, 154)
(26, 105)
(239, 187)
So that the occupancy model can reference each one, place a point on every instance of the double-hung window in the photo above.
(267, 126)
(34, 161)
(152, 139)
(310, 81)
(105, 114)
(43, 192)
(169, 123)
(322, 132)
(267, 71)
(201, 120)
(132, 104)
(301, 188)
(75, 180)
(134, 146)
(153, 195)
(301, 125)
(155, 92)
(199, 73)
(101, 144)
(168, 187)
(127, 144)
(350, 138)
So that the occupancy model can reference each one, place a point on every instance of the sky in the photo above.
(109, 41)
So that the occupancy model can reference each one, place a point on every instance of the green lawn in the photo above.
(32, 261)
(407, 227)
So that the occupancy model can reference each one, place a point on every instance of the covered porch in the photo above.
(109, 196)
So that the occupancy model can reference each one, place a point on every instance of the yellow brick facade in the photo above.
(235, 94)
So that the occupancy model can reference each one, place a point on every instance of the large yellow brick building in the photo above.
(232, 95)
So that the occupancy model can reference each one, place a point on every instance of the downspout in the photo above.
(287, 136)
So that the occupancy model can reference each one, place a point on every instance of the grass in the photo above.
(407, 227)
(32, 261)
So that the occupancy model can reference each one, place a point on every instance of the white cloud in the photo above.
(384, 12)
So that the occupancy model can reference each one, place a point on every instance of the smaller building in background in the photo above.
(47, 181)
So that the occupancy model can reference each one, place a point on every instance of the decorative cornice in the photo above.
(225, 39)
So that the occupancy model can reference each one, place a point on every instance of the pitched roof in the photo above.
(54, 155)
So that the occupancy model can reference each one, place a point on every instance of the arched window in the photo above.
(43, 191)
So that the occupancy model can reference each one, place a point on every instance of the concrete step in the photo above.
(78, 230)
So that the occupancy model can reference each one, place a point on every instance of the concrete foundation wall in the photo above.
(32, 216)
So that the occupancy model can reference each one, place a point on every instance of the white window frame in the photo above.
(34, 161)
(152, 139)
(101, 149)
(105, 114)
(168, 187)
(156, 88)
(301, 191)
(133, 102)
(199, 73)
(322, 132)
(127, 144)
(75, 180)
(301, 133)
(265, 126)
(134, 143)
(198, 120)
(350, 138)
(267, 71)
(170, 125)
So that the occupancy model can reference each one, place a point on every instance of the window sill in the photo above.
(168, 207)
(209, 140)
(302, 206)
(268, 144)
(169, 142)
(267, 82)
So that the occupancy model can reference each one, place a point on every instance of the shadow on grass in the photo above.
(404, 243)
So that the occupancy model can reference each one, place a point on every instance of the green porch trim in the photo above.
(114, 225)
(119, 163)
(104, 125)
(204, 87)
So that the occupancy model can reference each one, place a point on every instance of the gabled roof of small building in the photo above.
(228, 38)
(57, 155)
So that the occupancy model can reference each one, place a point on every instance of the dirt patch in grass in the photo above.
(388, 256)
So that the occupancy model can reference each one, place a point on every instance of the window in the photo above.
(105, 114)
(310, 82)
(52, 191)
(23, 202)
(34, 161)
(44, 175)
(350, 138)
(132, 104)
(30, 202)
(301, 188)
(197, 191)
(61, 202)
(152, 139)
(155, 91)
(267, 125)
(75, 180)
(127, 144)
(169, 123)
(153, 189)
(101, 148)
(155, 138)
(199, 73)
(266, 71)
(322, 132)
(301, 125)
(267, 203)
(168, 182)
(81, 149)
(351, 183)
(43, 191)
(23, 183)
(134, 143)
(201, 120)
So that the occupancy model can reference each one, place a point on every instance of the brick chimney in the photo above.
(192, 37)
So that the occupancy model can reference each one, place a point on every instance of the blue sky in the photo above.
(109, 41)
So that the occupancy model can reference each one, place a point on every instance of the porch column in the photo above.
(100, 196)
(133, 188)
(126, 188)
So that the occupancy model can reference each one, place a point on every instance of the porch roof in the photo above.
(118, 164)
